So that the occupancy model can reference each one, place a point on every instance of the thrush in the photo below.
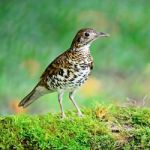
(68, 71)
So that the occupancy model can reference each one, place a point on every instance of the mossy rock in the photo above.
(100, 128)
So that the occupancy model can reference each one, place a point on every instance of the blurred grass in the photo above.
(33, 33)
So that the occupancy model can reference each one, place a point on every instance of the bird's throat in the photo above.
(83, 48)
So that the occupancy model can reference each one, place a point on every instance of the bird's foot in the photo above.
(80, 114)
(63, 116)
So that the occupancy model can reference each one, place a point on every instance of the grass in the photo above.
(100, 128)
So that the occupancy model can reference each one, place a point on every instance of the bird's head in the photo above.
(85, 37)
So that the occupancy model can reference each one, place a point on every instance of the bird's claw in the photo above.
(63, 116)
(80, 114)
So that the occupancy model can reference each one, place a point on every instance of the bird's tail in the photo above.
(37, 92)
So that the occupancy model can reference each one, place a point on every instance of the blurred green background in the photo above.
(33, 33)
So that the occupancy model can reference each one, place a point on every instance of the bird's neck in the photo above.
(84, 48)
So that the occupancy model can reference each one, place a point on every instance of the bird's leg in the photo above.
(60, 98)
(71, 96)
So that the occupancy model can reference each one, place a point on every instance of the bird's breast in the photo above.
(70, 78)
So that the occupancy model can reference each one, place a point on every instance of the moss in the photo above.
(100, 128)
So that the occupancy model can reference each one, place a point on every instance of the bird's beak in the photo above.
(101, 34)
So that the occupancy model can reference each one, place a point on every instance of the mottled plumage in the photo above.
(68, 71)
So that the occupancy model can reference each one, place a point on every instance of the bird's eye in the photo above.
(87, 34)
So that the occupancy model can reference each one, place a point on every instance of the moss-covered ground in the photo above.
(100, 128)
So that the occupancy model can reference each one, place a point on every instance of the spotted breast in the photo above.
(68, 73)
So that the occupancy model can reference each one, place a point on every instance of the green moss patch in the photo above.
(100, 128)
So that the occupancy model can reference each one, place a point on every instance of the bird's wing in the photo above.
(56, 66)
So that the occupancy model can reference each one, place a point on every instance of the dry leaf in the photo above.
(101, 112)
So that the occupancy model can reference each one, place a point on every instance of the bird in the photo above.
(68, 71)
